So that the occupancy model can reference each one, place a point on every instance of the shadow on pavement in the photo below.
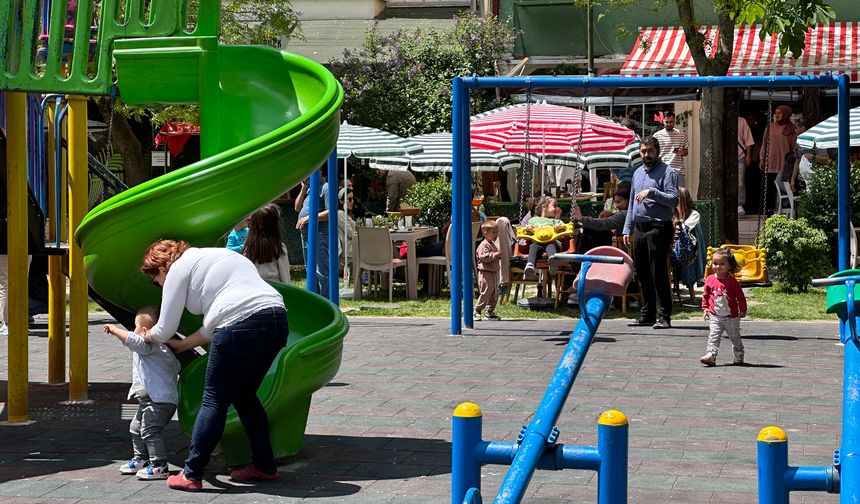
(88, 440)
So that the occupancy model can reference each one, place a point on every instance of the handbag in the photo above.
(685, 249)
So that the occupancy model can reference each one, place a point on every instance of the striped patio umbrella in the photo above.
(546, 129)
(438, 156)
(366, 142)
(601, 160)
(825, 135)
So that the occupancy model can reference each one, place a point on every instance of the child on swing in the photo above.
(724, 304)
(549, 216)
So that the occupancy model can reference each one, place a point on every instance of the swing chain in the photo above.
(712, 172)
(114, 91)
(763, 160)
(577, 185)
(526, 158)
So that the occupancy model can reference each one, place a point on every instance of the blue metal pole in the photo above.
(808, 478)
(465, 438)
(612, 433)
(772, 463)
(850, 474)
(313, 229)
(468, 237)
(535, 439)
(333, 216)
(651, 82)
(459, 96)
(59, 114)
(843, 181)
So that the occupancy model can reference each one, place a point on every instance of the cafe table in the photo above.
(411, 237)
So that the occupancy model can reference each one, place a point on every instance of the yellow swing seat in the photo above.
(753, 272)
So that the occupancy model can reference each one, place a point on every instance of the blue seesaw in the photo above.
(605, 273)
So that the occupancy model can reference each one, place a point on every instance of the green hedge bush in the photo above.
(433, 197)
(796, 250)
(818, 204)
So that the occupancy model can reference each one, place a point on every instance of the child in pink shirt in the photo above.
(488, 271)
(724, 303)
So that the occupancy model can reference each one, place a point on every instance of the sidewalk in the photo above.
(380, 432)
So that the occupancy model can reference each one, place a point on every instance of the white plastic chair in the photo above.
(445, 260)
(785, 193)
(376, 253)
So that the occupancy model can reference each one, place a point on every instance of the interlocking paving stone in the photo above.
(380, 432)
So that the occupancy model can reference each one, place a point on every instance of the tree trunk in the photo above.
(811, 106)
(718, 181)
(136, 169)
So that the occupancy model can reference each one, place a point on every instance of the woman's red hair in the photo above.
(162, 254)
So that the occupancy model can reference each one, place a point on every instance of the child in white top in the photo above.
(154, 372)
(264, 245)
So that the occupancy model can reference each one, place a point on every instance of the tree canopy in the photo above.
(402, 82)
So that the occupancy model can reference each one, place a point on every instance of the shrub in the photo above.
(818, 204)
(433, 196)
(796, 250)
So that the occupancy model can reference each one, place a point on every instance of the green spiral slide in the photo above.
(268, 119)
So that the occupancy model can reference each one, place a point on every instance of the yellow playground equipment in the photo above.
(753, 272)
(546, 234)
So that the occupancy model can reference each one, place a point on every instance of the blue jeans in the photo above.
(322, 257)
(239, 357)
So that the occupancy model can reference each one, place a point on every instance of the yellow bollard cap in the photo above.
(772, 434)
(467, 410)
(612, 417)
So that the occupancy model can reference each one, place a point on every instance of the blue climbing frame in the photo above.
(461, 262)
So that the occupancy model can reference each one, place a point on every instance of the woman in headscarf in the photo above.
(779, 142)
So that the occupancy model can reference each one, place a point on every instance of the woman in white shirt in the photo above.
(264, 245)
(246, 322)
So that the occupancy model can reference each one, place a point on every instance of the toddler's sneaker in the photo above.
(492, 316)
(709, 360)
(181, 482)
(133, 466)
(251, 473)
(739, 358)
(741, 211)
(529, 272)
(151, 472)
(477, 316)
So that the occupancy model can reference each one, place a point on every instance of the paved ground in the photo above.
(380, 433)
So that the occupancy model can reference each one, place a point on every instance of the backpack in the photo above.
(685, 248)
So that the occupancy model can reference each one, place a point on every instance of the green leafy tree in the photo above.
(402, 82)
(718, 119)
(242, 22)
(788, 18)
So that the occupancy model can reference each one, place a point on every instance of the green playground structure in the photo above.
(268, 119)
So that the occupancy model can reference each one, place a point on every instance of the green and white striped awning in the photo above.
(438, 155)
(825, 135)
(366, 142)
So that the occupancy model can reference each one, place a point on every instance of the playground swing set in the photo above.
(537, 445)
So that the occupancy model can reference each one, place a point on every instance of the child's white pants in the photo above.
(732, 327)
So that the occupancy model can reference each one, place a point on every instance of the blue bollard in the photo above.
(465, 438)
(772, 464)
(612, 433)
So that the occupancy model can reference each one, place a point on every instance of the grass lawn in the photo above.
(764, 303)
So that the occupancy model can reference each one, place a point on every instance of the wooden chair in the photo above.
(376, 253)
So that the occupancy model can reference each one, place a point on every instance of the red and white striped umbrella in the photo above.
(547, 129)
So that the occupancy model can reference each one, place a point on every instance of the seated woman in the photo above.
(597, 231)
(549, 216)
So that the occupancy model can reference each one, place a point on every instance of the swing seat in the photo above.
(545, 234)
(753, 263)
(837, 295)
(611, 279)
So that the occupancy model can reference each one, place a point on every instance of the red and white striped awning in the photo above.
(663, 52)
